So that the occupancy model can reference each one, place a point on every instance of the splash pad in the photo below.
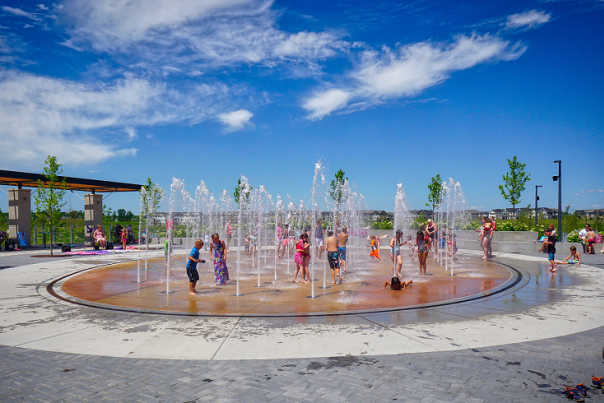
(115, 287)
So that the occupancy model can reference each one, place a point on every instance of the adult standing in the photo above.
(487, 232)
(583, 236)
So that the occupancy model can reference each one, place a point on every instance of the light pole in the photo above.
(536, 205)
(559, 179)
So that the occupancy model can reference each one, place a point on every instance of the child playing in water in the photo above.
(302, 257)
(551, 247)
(375, 248)
(331, 243)
(452, 246)
(192, 272)
(397, 284)
(412, 248)
(573, 258)
(395, 250)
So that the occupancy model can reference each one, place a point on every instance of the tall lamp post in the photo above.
(559, 179)
(536, 205)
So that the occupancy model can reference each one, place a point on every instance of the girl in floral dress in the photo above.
(218, 252)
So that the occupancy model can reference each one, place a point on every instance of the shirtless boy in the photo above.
(342, 241)
(331, 243)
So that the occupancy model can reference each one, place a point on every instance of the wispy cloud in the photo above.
(20, 13)
(236, 120)
(74, 121)
(408, 70)
(590, 191)
(198, 34)
(527, 19)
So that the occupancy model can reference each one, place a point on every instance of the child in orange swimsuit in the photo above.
(375, 248)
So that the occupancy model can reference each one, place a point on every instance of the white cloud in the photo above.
(197, 34)
(590, 191)
(410, 69)
(131, 132)
(42, 7)
(324, 102)
(20, 13)
(528, 19)
(236, 120)
(76, 122)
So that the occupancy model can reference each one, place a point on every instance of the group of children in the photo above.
(335, 247)
(549, 246)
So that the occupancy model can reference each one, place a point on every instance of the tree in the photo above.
(107, 213)
(129, 216)
(335, 189)
(436, 195)
(121, 214)
(513, 182)
(240, 191)
(49, 196)
(151, 198)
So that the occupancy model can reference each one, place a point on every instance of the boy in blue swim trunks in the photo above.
(192, 272)
(331, 243)
(551, 248)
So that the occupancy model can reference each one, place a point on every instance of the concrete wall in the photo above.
(93, 214)
(19, 213)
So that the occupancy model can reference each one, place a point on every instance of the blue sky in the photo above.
(396, 92)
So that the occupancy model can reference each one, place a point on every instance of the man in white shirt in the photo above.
(583, 236)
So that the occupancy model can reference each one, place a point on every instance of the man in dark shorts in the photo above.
(333, 256)
(192, 272)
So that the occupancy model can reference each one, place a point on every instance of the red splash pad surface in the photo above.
(362, 290)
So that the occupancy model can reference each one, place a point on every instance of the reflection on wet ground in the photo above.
(361, 290)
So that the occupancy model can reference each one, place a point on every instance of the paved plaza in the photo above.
(522, 345)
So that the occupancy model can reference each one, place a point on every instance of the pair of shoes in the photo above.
(573, 393)
(597, 383)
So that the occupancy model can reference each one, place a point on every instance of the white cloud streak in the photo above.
(20, 13)
(410, 69)
(528, 19)
(80, 124)
(201, 34)
(590, 191)
(236, 120)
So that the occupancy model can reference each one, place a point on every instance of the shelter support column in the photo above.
(19, 213)
(93, 214)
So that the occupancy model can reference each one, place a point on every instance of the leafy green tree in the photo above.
(121, 214)
(335, 189)
(436, 195)
(151, 198)
(2, 219)
(129, 216)
(513, 182)
(240, 191)
(107, 213)
(49, 196)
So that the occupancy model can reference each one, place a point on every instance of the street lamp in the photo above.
(536, 208)
(559, 179)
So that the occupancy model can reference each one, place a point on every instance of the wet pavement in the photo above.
(362, 289)
(521, 345)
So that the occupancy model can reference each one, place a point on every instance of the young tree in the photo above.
(240, 191)
(49, 196)
(151, 197)
(436, 195)
(121, 214)
(513, 182)
(335, 189)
